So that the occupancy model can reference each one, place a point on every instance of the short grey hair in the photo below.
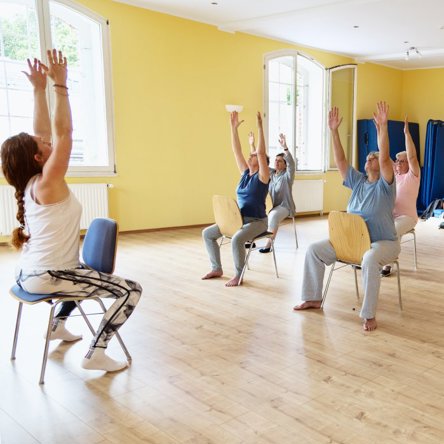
(373, 154)
(401, 154)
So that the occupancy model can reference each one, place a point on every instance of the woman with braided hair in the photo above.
(49, 217)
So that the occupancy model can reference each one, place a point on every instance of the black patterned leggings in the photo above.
(88, 283)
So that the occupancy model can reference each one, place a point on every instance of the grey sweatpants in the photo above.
(322, 253)
(252, 227)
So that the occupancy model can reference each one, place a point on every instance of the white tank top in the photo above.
(54, 231)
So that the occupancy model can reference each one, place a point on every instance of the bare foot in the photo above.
(213, 274)
(307, 304)
(369, 324)
(233, 282)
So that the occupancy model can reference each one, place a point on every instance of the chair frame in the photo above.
(413, 238)
(355, 266)
(54, 300)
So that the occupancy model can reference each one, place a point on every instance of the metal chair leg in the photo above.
(399, 284)
(245, 267)
(274, 257)
(356, 282)
(327, 284)
(17, 328)
(118, 337)
(85, 318)
(295, 233)
(414, 250)
(48, 336)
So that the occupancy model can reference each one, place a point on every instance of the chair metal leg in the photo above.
(17, 328)
(356, 282)
(274, 257)
(414, 250)
(399, 284)
(118, 337)
(245, 267)
(295, 232)
(327, 284)
(85, 318)
(48, 336)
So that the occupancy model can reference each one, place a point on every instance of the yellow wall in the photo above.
(171, 79)
(423, 98)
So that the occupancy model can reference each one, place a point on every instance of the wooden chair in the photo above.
(349, 236)
(98, 252)
(229, 220)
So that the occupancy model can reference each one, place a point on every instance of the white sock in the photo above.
(60, 332)
(96, 359)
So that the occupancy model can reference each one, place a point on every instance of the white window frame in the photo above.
(295, 54)
(43, 18)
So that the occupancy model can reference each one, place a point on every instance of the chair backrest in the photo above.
(268, 203)
(349, 236)
(100, 245)
(227, 215)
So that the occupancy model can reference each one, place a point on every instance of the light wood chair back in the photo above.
(349, 236)
(268, 203)
(227, 215)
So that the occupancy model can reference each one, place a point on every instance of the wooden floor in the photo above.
(236, 365)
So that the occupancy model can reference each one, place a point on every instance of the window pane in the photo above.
(281, 103)
(19, 40)
(80, 39)
(309, 112)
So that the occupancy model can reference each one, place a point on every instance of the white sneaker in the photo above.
(96, 359)
(60, 332)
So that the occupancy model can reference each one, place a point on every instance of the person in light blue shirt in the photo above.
(373, 198)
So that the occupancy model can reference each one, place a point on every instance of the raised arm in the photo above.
(338, 151)
(381, 121)
(235, 142)
(264, 169)
(411, 150)
(291, 164)
(37, 77)
(251, 141)
(52, 186)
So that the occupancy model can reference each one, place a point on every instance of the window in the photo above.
(294, 104)
(342, 94)
(27, 29)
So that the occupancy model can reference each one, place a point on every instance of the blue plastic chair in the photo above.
(99, 253)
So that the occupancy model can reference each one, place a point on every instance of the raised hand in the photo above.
(381, 115)
(259, 119)
(251, 139)
(282, 141)
(406, 126)
(58, 67)
(37, 74)
(333, 119)
(234, 120)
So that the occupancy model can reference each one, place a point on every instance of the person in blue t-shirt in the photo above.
(251, 194)
(373, 198)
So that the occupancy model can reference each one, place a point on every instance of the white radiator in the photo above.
(308, 196)
(92, 196)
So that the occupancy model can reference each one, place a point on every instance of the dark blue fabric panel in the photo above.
(367, 138)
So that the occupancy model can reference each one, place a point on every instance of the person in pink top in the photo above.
(407, 175)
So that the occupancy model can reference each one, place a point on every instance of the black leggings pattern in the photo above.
(88, 283)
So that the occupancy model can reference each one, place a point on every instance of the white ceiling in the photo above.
(386, 28)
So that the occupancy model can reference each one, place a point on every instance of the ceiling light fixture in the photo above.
(413, 50)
